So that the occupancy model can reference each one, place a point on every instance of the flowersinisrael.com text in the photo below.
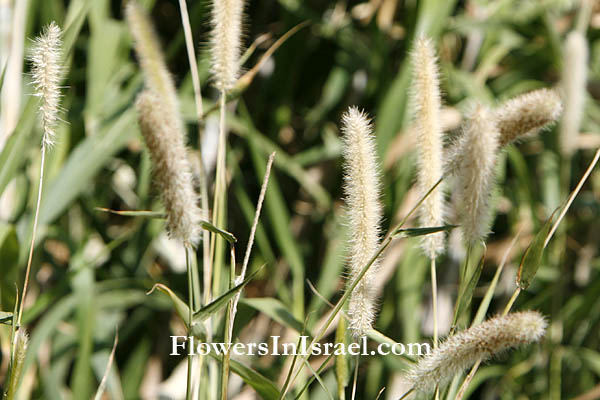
(189, 345)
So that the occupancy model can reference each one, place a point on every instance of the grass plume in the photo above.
(482, 341)
(171, 169)
(47, 73)
(527, 114)
(226, 42)
(474, 157)
(427, 107)
(362, 190)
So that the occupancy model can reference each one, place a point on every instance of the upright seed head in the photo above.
(474, 156)
(361, 187)
(482, 341)
(171, 169)
(427, 107)
(47, 73)
(226, 42)
(574, 79)
(526, 114)
(151, 58)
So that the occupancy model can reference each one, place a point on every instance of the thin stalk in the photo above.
(219, 199)
(572, 197)
(355, 378)
(434, 302)
(228, 331)
(189, 44)
(188, 392)
(33, 235)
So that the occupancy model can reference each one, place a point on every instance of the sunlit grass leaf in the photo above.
(276, 310)
(182, 310)
(9, 257)
(341, 363)
(263, 386)
(11, 157)
(6, 317)
(465, 296)
(413, 232)
(229, 237)
(533, 256)
(208, 310)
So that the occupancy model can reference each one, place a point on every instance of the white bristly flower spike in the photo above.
(474, 157)
(362, 193)
(526, 114)
(483, 341)
(426, 101)
(573, 85)
(47, 73)
(226, 42)
(171, 168)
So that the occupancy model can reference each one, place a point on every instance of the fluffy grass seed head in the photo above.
(47, 73)
(226, 42)
(172, 172)
(362, 194)
(574, 79)
(157, 77)
(483, 341)
(426, 101)
(474, 156)
(526, 114)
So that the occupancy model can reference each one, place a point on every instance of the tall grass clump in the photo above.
(362, 193)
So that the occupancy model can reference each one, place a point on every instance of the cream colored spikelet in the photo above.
(526, 114)
(362, 195)
(475, 156)
(226, 42)
(574, 79)
(172, 172)
(483, 341)
(427, 107)
(47, 74)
